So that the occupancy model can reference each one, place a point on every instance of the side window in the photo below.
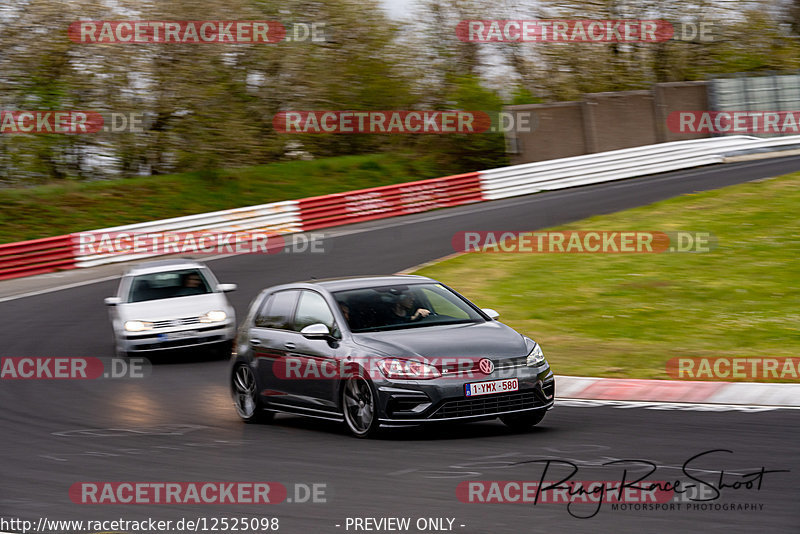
(277, 310)
(313, 309)
(261, 315)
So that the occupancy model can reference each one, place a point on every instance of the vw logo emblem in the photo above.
(486, 366)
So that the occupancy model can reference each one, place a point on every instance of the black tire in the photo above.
(223, 350)
(521, 422)
(246, 400)
(359, 406)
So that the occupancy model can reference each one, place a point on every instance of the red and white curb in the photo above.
(39, 256)
(675, 391)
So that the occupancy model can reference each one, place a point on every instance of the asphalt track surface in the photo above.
(178, 424)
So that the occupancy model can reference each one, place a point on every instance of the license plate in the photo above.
(178, 335)
(493, 386)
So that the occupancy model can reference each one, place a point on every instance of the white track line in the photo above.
(58, 288)
(676, 405)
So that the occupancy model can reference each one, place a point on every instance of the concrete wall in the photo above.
(619, 120)
(680, 96)
(556, 131)
(603, 121)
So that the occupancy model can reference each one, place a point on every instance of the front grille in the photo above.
(471, 366)
(171, 323)
(188, 341)
(491, 404)
(176, 343)
(157, 336)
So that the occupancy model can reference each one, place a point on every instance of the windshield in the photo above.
(403, 306)
(156, 286)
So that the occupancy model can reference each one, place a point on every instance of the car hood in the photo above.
(162, 309)
(491, 339)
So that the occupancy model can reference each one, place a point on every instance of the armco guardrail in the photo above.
(277, 217)
(607, 166)
(389, 201)
(65, 252)
(39, 256)
(765, 145)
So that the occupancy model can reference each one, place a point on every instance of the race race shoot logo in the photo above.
(50, 122)
(734, 122)
(703, 482)
(722, 368)
(582, 242)
(72, 368)
(180, 31)
(200, 242)
(177, 493)
(382, 122)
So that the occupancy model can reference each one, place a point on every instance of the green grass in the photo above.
(49, 210)
(617, 315)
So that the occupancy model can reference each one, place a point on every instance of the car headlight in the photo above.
(138, 326)
(535, 356)
(215, 316)
(407, 369)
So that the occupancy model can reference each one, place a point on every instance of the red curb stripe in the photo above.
(650, 390)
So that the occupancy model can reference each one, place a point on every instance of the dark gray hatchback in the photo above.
(385, 351)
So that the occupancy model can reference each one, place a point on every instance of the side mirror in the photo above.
(227, 288)
(112, 301)
(493, 315)
(316, 331)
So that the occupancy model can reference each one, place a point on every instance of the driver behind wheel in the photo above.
(403, 309)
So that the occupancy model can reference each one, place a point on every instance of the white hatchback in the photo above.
(170, 304)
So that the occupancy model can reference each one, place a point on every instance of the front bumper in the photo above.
(177, 338)
(443, 399)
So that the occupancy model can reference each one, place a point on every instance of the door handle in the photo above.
(289, 345)
(255, 342)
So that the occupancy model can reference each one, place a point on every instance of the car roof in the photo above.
(360, 282)
(159, 266)
(353, 282)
